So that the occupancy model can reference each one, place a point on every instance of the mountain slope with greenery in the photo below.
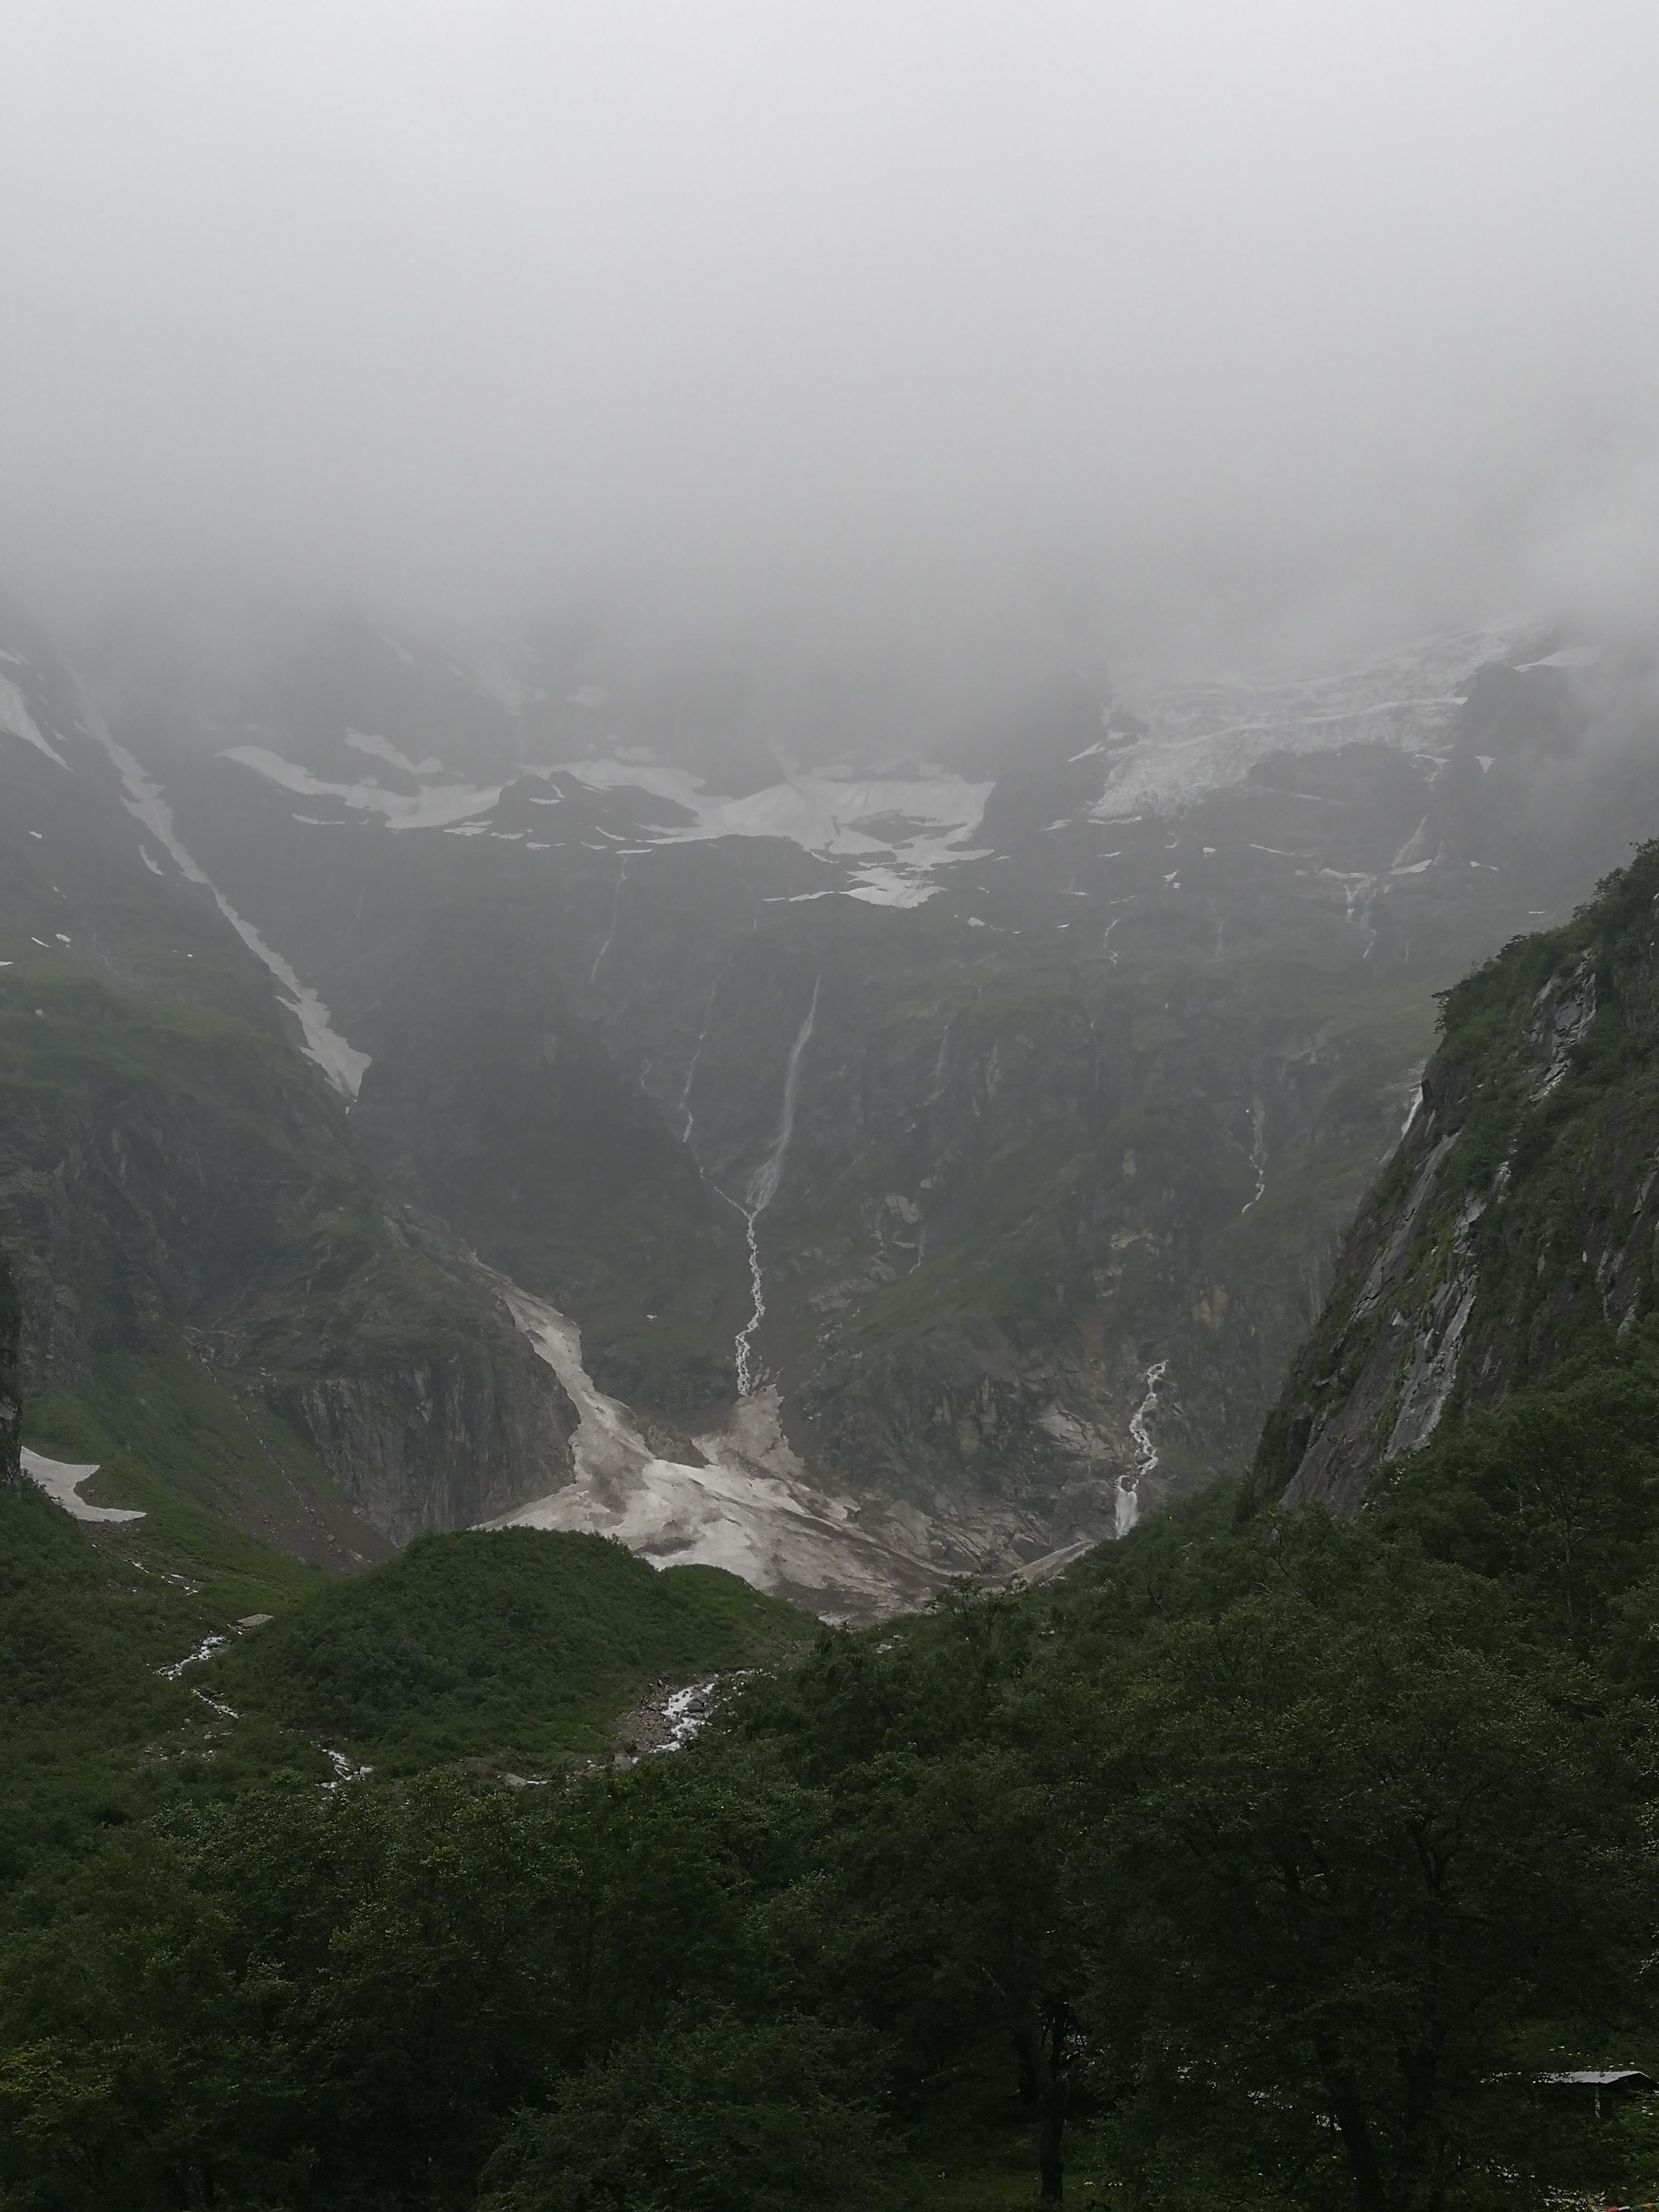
(1264, 1860)
(1269, 1870)
(1511, 1240)
(516, 1646)
(181, 1188)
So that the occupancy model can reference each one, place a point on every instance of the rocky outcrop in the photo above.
(1518, 1222)
(201, 1189)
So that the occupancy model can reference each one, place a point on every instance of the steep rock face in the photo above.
(1517, 1221)
(1050, 1273)
(1091, 1089)
(11, 1395)
(177, 1178)
(490, 1098)
(999, 1118)
(220, 1203)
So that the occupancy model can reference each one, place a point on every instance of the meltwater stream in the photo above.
(1127, 1505)
(764, 1188)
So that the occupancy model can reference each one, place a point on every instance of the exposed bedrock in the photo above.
(1519, 1218)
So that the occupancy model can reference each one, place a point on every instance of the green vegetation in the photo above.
(95, 1736)
(1261, 1862)
(226, 1455)
(1257, 1867)
(514, 1646)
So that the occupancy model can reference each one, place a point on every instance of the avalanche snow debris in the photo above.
(16, 721)
(341, 1063)
(750, 1509)
(62, 1482)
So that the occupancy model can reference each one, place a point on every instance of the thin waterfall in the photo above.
(764, 1188)
(616, 909)
(1127, 1505)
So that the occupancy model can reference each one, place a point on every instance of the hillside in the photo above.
(515, 1647)
(170, 1659)
(950, 1151)
(201, 1244)
(1509, 1245)
(1261, 1858)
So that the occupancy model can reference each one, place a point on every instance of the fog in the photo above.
(1172, 334)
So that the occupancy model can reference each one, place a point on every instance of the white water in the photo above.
(1128, 1504)
(616, 909)
(697, 1056)
(345, 1770)
(204, 1650)
(764, 1188)
(1258, 1153)
(936, 1088)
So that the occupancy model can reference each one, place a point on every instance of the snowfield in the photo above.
(341, 1062)
(751, 1509)
(1202, 736)
(62, 1482)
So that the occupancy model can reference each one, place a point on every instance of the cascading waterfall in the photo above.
(1258, 1153)
(616, 909)
(764, 1188)
(1127, 1507)
(936, 1087)
(686, 1118)
(697, 1056)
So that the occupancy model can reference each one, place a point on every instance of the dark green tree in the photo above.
(721, 2116)
(1377, 1837)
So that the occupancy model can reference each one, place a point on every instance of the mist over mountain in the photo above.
(828, 979)
(882, 351)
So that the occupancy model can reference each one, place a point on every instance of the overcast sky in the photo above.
(1182, 330)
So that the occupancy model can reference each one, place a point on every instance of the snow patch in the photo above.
(751, 1509)
(62, 1482)
(17, 721)
(341, 1063)
(383, 749)
(896, 831)
(434, 807)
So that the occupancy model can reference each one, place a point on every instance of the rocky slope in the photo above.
(924, 1162)
(180, 1181)
(1515, 1230)
(1000, 1112)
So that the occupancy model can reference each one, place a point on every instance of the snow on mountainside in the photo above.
(1199, 737)
(1060, 1079)
(896, 832)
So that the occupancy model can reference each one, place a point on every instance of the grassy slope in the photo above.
(515, 1646)
(512, 1648)
(171, 1437)
(92, 1734)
